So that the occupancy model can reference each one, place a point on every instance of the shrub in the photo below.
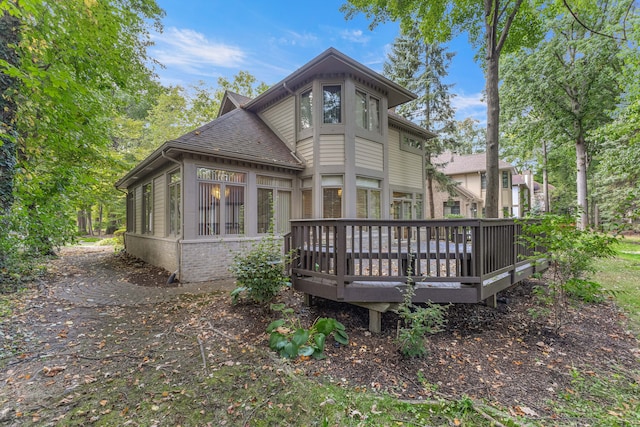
(571, 253)
(291, 340)
(260, 273)
(417, 322)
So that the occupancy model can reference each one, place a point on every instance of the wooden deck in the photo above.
(368, 262)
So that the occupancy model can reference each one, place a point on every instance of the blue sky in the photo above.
(206, 39)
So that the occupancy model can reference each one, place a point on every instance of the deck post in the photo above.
(492, 301)
(340, 251)
(375, 321)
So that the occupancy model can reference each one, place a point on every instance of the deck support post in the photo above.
(375, 321)
(492, 301)
(307, 299)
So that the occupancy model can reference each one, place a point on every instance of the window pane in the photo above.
(331, 104)
(209, 209)
(272, 181)
(283, 212)
(207, 174)
(331, 202)
(147, 209)
(361, 109)
(483, 180)
(367, 182)
(234, 209)
(505, 179)
(332, 180)
(374, 204)
(174, 209)
(374, 114)
(306, 110)
(265, 209)
(362, 207)
(307, 204)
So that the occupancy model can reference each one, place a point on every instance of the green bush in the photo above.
(260, 273)
(571, 253)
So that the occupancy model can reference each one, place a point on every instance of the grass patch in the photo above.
(594, 399)
(255, 390)
(620, 275)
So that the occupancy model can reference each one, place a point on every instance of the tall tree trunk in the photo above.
(82, 222)
(100, 220)
(492, 76)
(89, 222)
(432, 208)
(545, 178)
(581, 182)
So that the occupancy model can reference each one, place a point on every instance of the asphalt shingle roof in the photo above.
(239, 134)
(456, 164)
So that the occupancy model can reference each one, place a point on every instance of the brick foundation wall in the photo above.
(156, 251)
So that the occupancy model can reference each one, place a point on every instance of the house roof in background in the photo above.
(456, 164)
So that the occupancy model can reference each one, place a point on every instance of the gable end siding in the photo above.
(405, 168)
(331, 150)
(369, 154)
(305, 149)
(281, 119)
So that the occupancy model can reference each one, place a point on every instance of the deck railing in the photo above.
(338, 256)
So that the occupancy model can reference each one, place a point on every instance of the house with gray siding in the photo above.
(322, 143)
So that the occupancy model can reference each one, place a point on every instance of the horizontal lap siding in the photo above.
(405, 168)
(281, 118)
(369, 154)
(331, 150)
(158, 206)
(305, 149)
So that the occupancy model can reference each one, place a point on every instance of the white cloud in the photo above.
(294, 38)
(192, 53)
(354, 36)
(472, 105)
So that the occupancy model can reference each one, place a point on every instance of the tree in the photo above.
(74, 59)
(421, 68)
(566, 87)
(469, 137)
(494, 26)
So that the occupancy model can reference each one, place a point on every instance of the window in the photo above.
(147, 209)
(406, 206)
(332, 196)
(474, 210)
(131, 211)
(367, 111)
(274, 204)
(221, 202)
(307, 200)
(451, 207)
(174, 203)
(332, 104)
(483, 180)
(306, 109)
(506, 212)
(505, 179)
(367, 198)
(411, 142)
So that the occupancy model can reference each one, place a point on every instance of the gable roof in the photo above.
(231, 101)
(456, 164)
(237, 135)
(332, 61)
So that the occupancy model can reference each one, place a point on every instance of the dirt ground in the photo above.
(500, 355)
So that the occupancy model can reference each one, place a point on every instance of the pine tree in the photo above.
(421, 67)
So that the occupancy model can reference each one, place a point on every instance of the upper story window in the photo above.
(332, 104)
(505, 179)
(411, 142)
(367, 111)
(483, 180)
(306, 109)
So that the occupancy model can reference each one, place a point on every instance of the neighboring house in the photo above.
(322, 143)
(522, 186)
(469, 171)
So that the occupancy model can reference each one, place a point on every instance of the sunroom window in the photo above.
(367, 198)
(332, 104)
(174, 203)
(221, 202)
(274, 204)
(332, 196)
(147, 209)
